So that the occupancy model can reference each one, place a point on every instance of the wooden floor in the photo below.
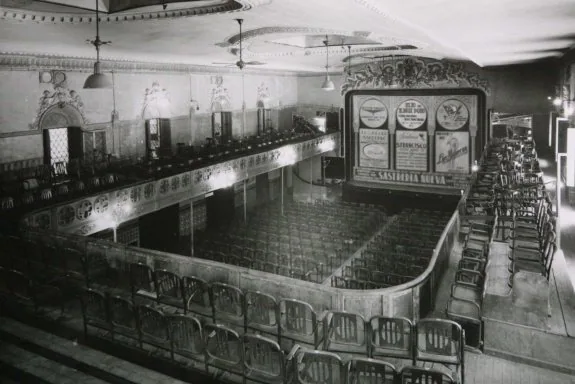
(485, 369)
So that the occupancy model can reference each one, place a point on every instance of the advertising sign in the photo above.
(372, 113)
(411, 114)
(452, 115)
(374, 148)
(452, 152)
(411, 150)
(409, 178)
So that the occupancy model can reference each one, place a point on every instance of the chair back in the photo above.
(344, 330)
(370, 371)
(391, 337)
(319, 367)
(141, 278)
(439, 341)
(186, 335)
(417, 375)
(226, 300)
(168, 287)
(153, 325)
(263, 357)
(299, 320)
(94, 305)
(223, 346)
(261, 310)
(122, 314)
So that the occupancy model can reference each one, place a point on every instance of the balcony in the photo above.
(86, 200)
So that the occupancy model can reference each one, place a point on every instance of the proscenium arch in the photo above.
(61, 116)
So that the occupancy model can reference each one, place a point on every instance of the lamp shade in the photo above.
(97, 80)
(328, 85)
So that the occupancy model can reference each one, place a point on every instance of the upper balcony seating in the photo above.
(33, 188)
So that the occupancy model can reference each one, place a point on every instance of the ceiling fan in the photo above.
(241, 64)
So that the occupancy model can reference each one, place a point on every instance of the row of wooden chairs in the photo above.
(218, 345)
(16, 286)
(466, 297)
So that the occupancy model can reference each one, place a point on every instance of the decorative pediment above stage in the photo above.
(412, 72)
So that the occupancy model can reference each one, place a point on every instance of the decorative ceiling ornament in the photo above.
(61, 96)
(411, 72)
(201, 8)
(157, 103)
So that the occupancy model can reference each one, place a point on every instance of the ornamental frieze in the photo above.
(412, 72)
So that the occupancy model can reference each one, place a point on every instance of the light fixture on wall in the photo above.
(327, 83)
(194, 104)
(97, 80)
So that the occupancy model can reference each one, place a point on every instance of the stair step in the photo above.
(27, 367)
(106, 367)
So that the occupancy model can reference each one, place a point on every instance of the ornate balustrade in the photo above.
(90, 214)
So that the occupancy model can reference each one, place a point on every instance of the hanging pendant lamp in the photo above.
(98, 80)
(327, 85)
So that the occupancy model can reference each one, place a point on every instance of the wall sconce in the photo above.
(195, 104)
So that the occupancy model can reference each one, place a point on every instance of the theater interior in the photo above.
(268, 191)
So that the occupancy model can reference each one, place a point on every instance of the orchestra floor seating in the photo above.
(308, 242)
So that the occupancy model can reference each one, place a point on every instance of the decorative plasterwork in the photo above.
(233, 41)
(156, 103)
(61, 96)
(16, 61)
(264, 96)
(220, 97)
(414, 73)
(130, 16)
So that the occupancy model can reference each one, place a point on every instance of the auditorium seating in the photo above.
(396, 256)
(152, 310)
(42, 185)
(308, 242)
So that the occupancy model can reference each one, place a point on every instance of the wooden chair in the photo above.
(345, 332)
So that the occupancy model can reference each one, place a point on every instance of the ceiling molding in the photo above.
(25, 62)
(23, 15)
(233, 41)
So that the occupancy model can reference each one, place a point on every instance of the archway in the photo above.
(61, 127)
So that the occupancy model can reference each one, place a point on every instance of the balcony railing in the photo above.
(118, 193)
